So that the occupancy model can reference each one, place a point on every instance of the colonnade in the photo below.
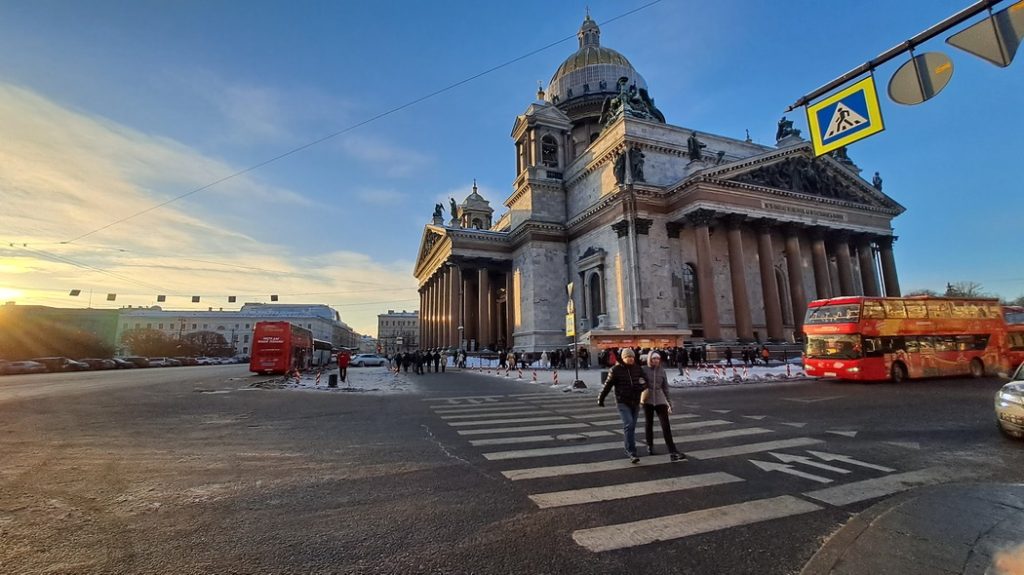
(460, 304)
(826, 245)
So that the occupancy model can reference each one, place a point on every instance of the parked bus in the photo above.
(877, 339)
(1014, 316)
(321, 353)
(280, 347)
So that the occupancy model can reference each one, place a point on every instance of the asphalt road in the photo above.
(190, 470)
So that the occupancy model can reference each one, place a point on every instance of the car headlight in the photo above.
(853, 370)
(1011, 397)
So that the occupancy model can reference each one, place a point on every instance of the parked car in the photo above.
(20, 367)
(137, 360)
(1010, 406)
(97, 363)
(159, 362)
(365, 359)
(173, 362)
(56, 364)
(122, 363)
(203, 360)
(187, 360)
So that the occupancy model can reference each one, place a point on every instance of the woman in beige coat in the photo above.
(655, 400)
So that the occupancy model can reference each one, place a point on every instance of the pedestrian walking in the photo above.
(343, 360)
(728, 356)
(437, 361)
(765, 355)
(444, 361)
(627, 379)
(655, 400)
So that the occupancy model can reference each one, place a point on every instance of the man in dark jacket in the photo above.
(628, 380)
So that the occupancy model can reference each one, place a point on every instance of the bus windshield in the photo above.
(833, 347)
(845, 313)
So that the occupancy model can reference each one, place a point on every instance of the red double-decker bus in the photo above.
(877, 339)
(1014, 316)
(280, 347)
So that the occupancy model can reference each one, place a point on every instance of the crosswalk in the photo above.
(544, 440)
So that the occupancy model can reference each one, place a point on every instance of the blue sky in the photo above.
(110, 108)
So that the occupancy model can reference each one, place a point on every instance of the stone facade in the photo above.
(664, 230)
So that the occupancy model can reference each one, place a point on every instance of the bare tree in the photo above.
(926, 291)
(965, 289)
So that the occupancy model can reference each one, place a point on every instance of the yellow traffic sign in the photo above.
(849, 115)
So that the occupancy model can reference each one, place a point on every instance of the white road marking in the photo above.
(843, 433)
(812, 399)
(480, 409)
(627, 490)
(581, 468)
(694, 425)
(463, 397)
(483, 416)
(722, 411)
(887, 485)
(618, 421)
(793, 424)
(789, 458)
(789, 470)
(520, 420)
(526, 428)
(904, 444)
(585, 448)
(670, 527)
(537, 438)
(752, 448)
(757, 417)
(849, 460)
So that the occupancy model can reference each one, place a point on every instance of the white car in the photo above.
(1010, 406)
(365, 359)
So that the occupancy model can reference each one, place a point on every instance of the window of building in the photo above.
(246, 326)
(206, 326)
(160, 326)
(549, 151)
(245, 350)
(149, 326)
(691, 295)
(193, 326)
(245, 339)
(138, 325)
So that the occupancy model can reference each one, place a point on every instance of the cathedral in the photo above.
(651, 234)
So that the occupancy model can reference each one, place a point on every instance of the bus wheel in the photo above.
(977, 368)
(899, 373)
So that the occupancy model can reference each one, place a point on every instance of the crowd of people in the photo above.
(426, 361)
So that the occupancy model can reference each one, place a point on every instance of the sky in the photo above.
(112, 108)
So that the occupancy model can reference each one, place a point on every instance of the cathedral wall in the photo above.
(539, 273)
(613, 274)
(656, 267)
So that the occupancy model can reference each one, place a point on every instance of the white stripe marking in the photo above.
(522, 429)
(484, 415)
(581, 468)
(463, 397)
(520, 420)
(670, 527)
(545, 451)
(627, 490)
(694, 425)
(751, 448)
(881, 486)
(536, 438)
(478, 409)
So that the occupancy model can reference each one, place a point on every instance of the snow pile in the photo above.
(724, 375)
(360, 379)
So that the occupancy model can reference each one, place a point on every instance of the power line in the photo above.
(351, 127)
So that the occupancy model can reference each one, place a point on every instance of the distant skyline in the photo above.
(110, 108)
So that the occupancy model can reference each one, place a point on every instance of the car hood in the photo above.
(1016, 387)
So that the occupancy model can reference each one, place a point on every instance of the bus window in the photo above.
(958, 309)
(946, 343)
(894, 309)
(926, 343)
(873, 347)
(913, 346)
(994, 310)
(833, 314)
(916, 310)
(981, 342)
(1016, 341)
(965, 342)
(938, 309)
(873, 310)
(833, 346)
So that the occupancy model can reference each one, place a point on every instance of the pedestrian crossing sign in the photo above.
(844, 117)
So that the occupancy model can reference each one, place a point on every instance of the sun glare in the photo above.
(9, 293)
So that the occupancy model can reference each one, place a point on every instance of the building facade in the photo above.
(664, 232)
(237, 326)
(398, 331)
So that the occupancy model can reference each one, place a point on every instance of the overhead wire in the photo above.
(351, 127)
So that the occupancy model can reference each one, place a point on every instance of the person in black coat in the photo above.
(628, 381)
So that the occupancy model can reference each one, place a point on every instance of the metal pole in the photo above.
(958, 18)
(575, 351)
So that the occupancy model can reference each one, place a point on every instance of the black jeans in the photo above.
(666, 431)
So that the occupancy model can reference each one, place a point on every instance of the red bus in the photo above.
(877, 339)
(1014, 316)
(280, 347)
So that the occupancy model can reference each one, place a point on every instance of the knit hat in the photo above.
(628, 353)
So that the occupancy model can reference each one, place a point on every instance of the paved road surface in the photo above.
(188, 470)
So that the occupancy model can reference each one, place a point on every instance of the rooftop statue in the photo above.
(877, 182)
(694, 147)
(786, 129)
(630, 101)
(438, 208)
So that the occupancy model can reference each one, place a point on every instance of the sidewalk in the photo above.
(963, 529)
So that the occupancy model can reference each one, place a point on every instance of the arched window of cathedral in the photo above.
(478, 223)
(691, 295)
(595, 298)
(549, 151)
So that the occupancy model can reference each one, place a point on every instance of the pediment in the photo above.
(797, 171)
(541, 113)
(431, 236)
